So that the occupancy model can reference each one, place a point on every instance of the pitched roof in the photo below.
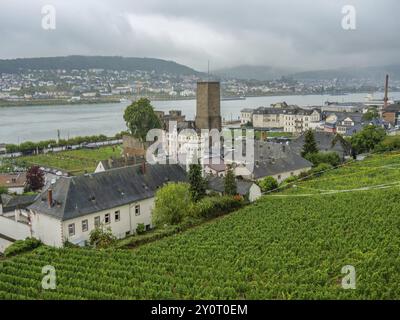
(81, 195)
(392, 108)
(217, 184)
(120, 162)
(323, 140)
(287, 163)
(10, 203)
(12, 180)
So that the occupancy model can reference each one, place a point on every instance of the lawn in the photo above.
(73, 161)
(276, 248)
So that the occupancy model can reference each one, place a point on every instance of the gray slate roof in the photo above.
(290, 161)
(10, 203)
(217, 184)
(78, 196)
(324, 143)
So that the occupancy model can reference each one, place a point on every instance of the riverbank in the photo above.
(114, 99)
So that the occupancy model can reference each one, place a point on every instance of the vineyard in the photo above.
(377, 171)
(73, 161)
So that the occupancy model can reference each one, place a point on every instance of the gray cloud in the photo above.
(297, 33)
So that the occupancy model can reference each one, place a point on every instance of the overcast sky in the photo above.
(305, 34)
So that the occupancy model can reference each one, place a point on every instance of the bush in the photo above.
(3, 190)
(318, 170)
(171, 204)
(20, 246)
(390, 143)
(331, 158)
(268, 184)
(140, 229)
(215, 206)
(101, 237)
(289, 180)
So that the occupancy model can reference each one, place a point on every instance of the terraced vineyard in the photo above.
(377, 171)
(277, 248)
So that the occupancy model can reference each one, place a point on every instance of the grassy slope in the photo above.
(288, 248)
(74, 161)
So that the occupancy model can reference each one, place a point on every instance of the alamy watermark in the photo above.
(50, 278)
(349, 280)
(349, 19)
(229, 146)
(49, 17)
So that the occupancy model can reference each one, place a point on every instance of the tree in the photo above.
(367, 139)
(230, 186)
(101, 237)
(35, 178)
(268, 184)
(171, 204)
(197, 183)
(371, 114)
(331, 158)
(310, 146)
(3, 190)
(140, 118)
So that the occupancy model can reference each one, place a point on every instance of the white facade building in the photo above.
(119, 199)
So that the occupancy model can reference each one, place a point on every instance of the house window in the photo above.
(117, 215)
(71, 229)
(137, 210)
(107, 219)
(97, 222)
(85, 226)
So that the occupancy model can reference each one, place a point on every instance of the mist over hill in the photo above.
(376, 73)
(264, 73)
(247, 72)
(96, 62)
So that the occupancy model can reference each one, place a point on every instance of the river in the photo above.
(35, 123)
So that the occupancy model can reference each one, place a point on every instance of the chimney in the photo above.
(50, 197)
(386, 98)
(144, 169)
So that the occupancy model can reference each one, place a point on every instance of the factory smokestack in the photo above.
(386, 98)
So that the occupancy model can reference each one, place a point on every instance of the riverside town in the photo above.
(199, 159)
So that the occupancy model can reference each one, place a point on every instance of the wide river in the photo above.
(35, 123)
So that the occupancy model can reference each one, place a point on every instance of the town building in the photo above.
(248, 189)
(391, 114)
(14, 182)
(120, 199)
(324, 142)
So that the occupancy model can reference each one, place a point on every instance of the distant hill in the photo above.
(373, 73)
(248, 72)
(96, 62)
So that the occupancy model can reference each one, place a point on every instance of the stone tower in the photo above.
(208, 112)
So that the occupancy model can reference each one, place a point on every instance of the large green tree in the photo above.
(310, 146)
(197, 183)
(140, 118)
(171, 204)
(367, 139)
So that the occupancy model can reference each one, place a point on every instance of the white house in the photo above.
(246, 116)
(119, 198)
